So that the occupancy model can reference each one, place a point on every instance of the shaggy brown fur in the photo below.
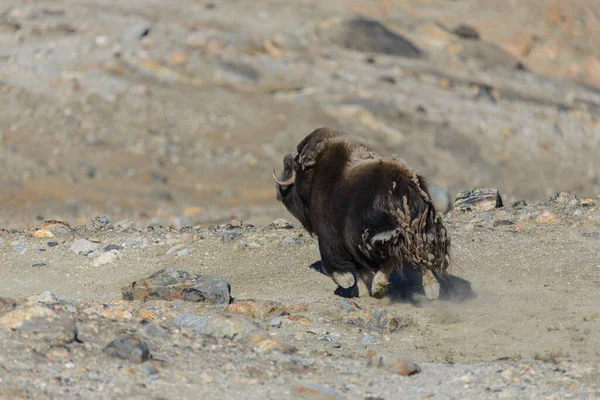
(370, 213)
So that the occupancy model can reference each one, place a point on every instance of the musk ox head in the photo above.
(370, 213)
(294, 184)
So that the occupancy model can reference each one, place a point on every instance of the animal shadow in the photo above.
(408, 287)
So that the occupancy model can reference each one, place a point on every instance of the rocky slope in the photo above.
(176, 113)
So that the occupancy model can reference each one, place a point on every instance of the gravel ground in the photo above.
(96, 311)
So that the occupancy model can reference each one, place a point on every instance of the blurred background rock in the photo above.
(176, 112)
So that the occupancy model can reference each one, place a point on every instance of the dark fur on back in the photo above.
(365, 210)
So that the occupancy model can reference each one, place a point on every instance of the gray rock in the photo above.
(383, 321)
(83, 247)
(227, 236)
(128, 348)
(565, 198)
(249, 244)
(466, 32)
(591, 235)
(236, 327)
(124, 224)
(577, 213)
(172, 284)
(113, 247)
(291, 241)
(281, 223)
(99, 223)
(490, 55)
(346, 306)
(58, 228)
(45, 297)
(234, 223)
(40, 322)
(106, 258)
(52, 244)
(95, 253)
(186, 320)
(155, 331)
(366, 35)
(215, 290)
(478, 199)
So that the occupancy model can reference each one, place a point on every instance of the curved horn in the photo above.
(290, 181)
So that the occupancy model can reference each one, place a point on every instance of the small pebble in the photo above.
(151, 369)
(128, 348)
(274, 323)
(113, 247)
(227, 236)
(577, 213)
(249, 244)
(106, 258)
(175, 248)
(369, 339)
(183, 252)
(291, 241)
(132, 241)
(332, 337)
(95, 253)
(83, 247)
(20, 249)
(235, 223)
(281, 223)
(52, 244)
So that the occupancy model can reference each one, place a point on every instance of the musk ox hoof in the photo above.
(344, 279)
(431, 286)
(348, 293)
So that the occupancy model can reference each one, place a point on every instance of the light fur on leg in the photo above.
(344, 279)
(381, 281)
(431, 286)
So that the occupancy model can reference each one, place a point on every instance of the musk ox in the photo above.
(369, 213)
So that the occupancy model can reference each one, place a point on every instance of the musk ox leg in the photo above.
(381, 281)
(339, 269)
(431, 286)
